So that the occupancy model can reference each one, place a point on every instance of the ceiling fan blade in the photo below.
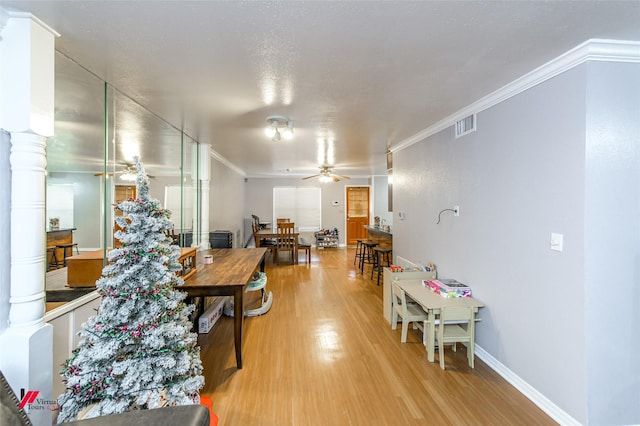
(335, 178)
(343, 177)
(309, 177)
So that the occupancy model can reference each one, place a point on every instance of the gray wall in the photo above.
(381, 198)
(259, 199)
(521, 176)
(612, 243)
(226, 201)
(87, 207)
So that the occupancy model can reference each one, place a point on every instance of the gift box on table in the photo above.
(448, 288)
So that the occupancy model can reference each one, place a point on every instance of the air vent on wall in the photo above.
(466, 125)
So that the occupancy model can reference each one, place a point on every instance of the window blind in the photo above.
(301, 205)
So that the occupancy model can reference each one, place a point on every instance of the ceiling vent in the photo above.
(466, 125)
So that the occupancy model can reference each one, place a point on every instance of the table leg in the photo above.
(431, 335)
(238, 317)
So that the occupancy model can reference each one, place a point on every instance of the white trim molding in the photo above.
(555, 412)
(216, 156)
(590, 50)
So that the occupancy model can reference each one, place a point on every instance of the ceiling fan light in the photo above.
(129, 177)
(276, 136)
(287, 132)
(271, 130)
(325, 179)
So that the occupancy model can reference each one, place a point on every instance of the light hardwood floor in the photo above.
(324, 355)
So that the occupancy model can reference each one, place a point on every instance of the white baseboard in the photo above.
(526, 389)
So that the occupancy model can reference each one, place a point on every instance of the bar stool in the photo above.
(67, 250)
(382, 259)
(359, 251)
(52, 258)
(368, 255)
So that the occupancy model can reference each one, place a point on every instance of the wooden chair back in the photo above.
(450, 331)
(409, 312)
(285, 241)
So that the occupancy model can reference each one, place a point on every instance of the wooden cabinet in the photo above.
(84, 269)
(380, 236)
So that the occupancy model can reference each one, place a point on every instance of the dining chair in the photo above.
(305, 245)
(410, 312)
(285, 241)
(449, 330)
(282, 220)
(268, 243)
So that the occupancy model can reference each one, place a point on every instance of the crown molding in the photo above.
(216, 156)
(7, 14)
(590, 50)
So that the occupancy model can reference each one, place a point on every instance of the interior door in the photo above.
(357, 213)
(122, 192)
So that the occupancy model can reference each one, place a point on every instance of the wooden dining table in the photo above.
(273, 233)
(227, 275)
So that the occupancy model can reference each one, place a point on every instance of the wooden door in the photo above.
(122, 192)
(357, 213)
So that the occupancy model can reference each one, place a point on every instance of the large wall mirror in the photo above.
(98, 131)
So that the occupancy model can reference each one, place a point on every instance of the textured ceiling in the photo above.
(355, 77)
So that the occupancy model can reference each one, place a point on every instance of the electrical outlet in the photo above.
(456, 210)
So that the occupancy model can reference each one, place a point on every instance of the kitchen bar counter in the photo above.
(382, 237)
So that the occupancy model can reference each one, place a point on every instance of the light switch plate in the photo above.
(556, 242)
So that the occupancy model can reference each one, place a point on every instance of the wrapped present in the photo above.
(448, 288)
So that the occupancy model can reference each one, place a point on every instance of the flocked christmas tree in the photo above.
(138, 351)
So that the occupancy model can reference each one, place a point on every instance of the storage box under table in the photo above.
(209, 318)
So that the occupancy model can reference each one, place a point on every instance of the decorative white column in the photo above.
(26, 112)
(204, 164)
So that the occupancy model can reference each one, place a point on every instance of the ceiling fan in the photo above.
(326, 175)
(128, 173)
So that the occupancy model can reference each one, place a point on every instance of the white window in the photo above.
(172, 203)
(301, 205)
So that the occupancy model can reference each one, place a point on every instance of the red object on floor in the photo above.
(206, 401)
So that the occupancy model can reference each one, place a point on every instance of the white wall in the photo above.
(521, 176)
(259, 199)
(5, 228)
